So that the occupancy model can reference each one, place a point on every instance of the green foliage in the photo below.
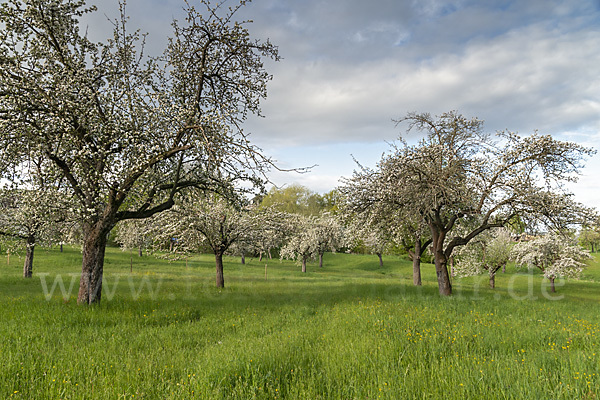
(590, 237)
(295, 199)
(351, 330)
(332, 201)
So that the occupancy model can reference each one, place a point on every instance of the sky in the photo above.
(350, 67)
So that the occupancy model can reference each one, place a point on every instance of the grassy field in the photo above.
(351, 330)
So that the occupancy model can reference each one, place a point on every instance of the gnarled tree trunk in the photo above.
(94, 247)
(303, 264)
(441, 264)
(380, 259)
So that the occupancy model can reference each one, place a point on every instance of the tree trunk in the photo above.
(441, 270)
(219, 264)
(380, 259)
(303, 264)
(441, 264)
(28, 265)
(416, 260)
(94, 247)
(493, 280)
(260, 254)
(61, 247)
(243, 259)
(320, 260)
(552, 288)
(140, 251)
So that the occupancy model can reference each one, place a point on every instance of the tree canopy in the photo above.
(125, 131)
(294, 199)
(553, 254)
(458, 175)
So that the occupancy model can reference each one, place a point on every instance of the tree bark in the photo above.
(441, 270)
(552, 287)
(140, 251)
(28, 265)
(441, 264)
(380, 259)
(320, 260)
(303, 264)
(260, 255)
(61, 247)
(219, 265)
(243, 259)
(94, 247)
(493, 281)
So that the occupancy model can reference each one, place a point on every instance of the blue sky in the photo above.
(351, 66)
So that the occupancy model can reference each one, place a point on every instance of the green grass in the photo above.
(351, 330)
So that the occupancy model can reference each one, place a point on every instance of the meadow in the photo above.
(351, 330)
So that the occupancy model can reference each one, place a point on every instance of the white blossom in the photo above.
(553, 254)
(128, 132)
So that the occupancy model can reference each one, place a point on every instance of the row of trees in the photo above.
(212, 221)
(99, 134)
(555, 255)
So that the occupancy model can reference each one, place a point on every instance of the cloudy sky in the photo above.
(351, 66)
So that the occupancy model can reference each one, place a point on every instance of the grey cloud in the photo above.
(350, 66)
(532, 76)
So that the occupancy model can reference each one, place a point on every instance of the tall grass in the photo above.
(350, 330)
